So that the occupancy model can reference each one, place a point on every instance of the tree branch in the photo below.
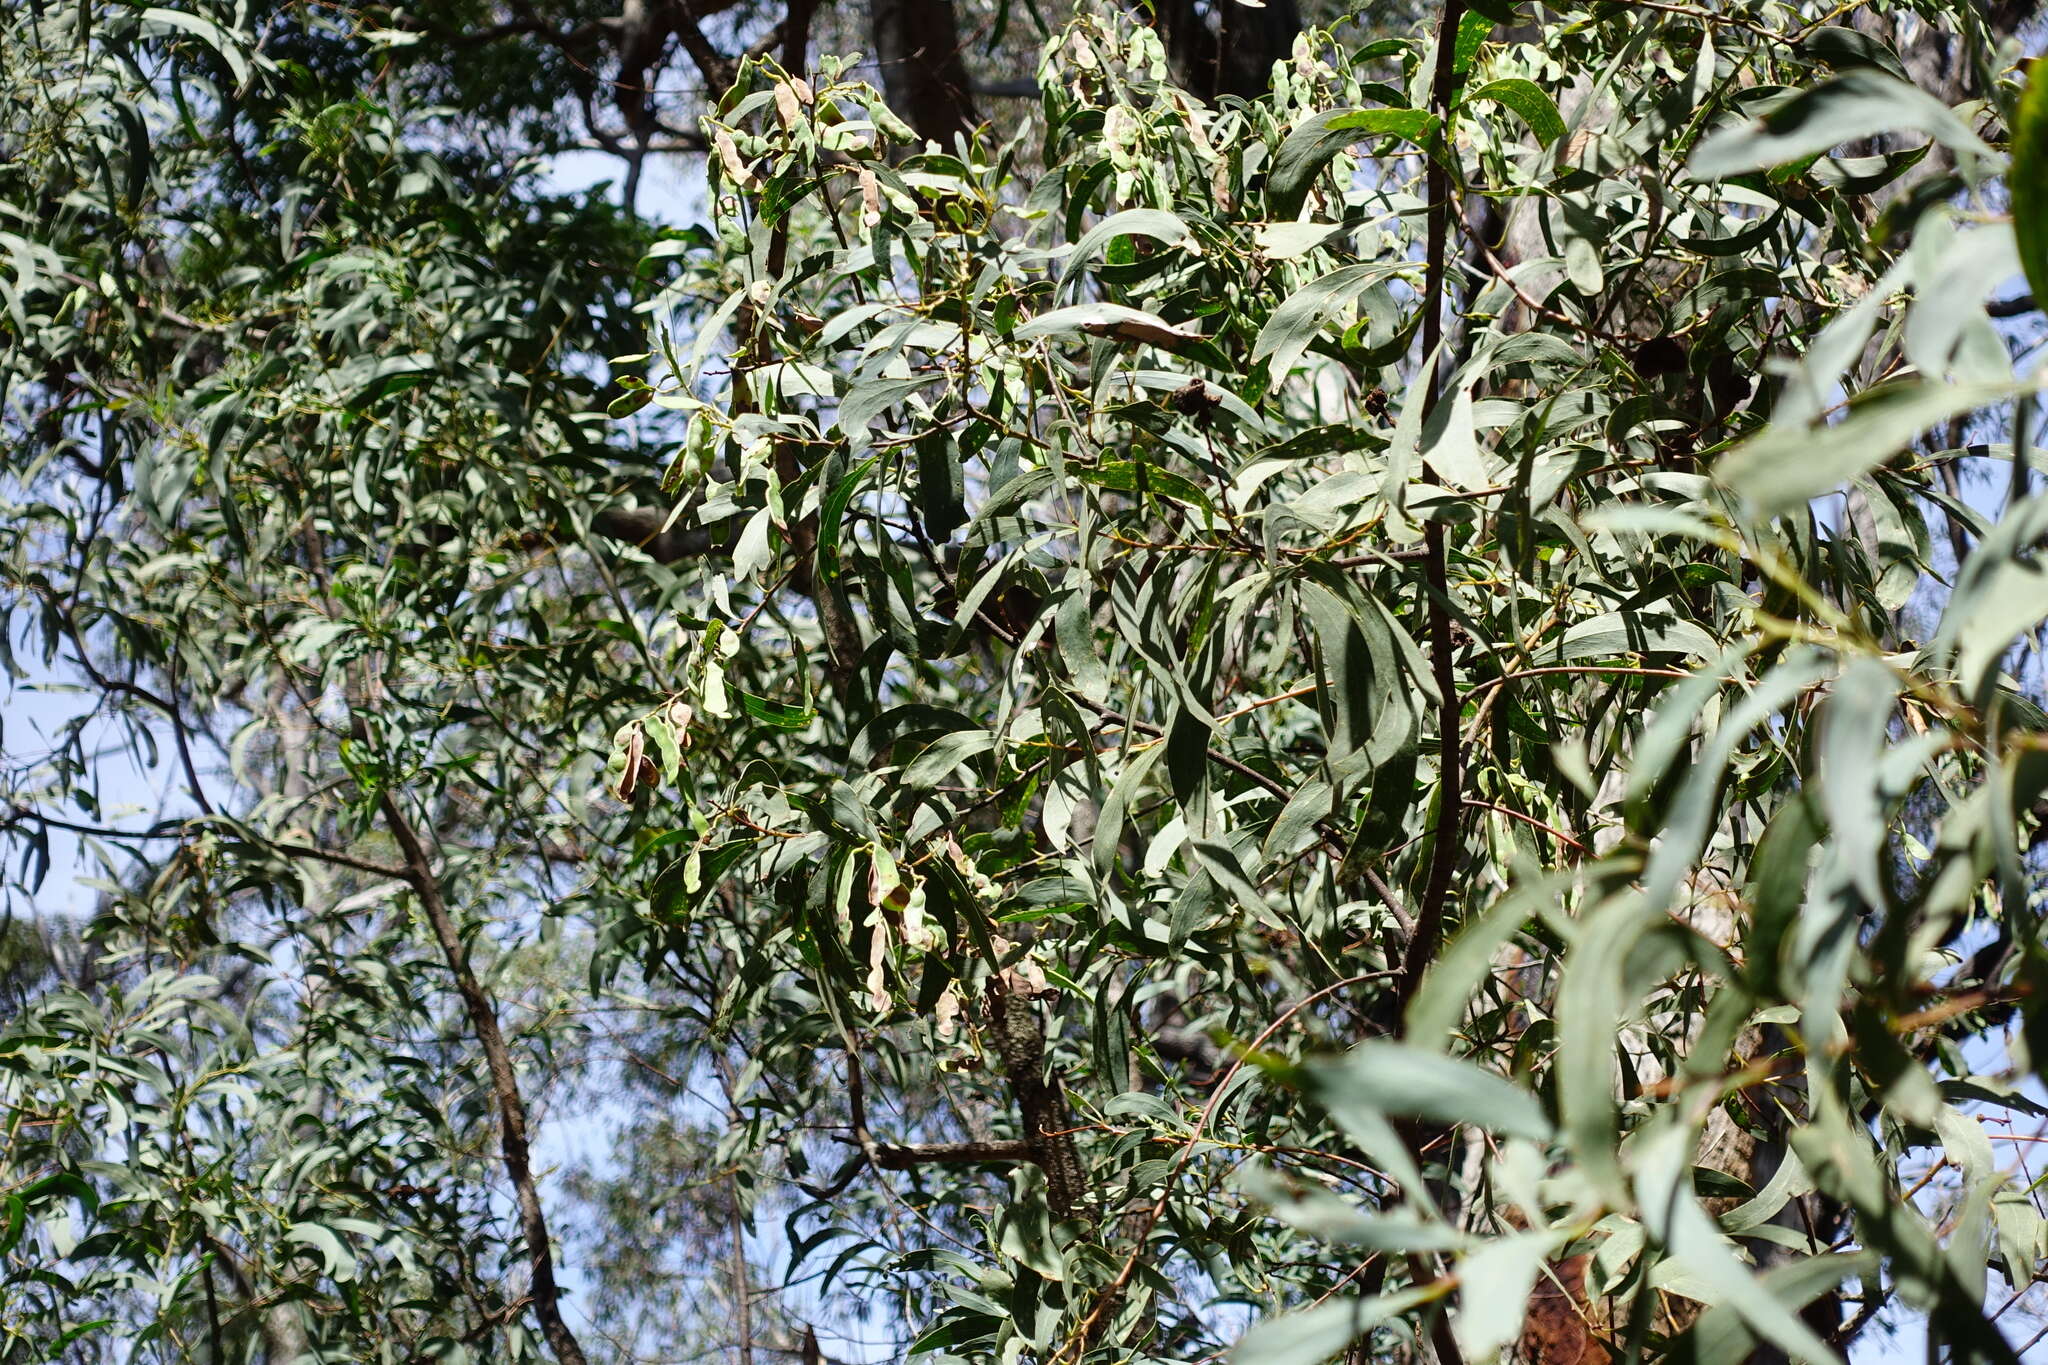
(1429, 915)
(512, 1120)
(569, 40)
(993, 1152)
(20, 813)
(717, 69)
(126, 687)
(889, 1156)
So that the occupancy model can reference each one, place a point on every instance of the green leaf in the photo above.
(1855, 105)
(1139, 476)
(71, 1334)
(941, 486)
(340, 1262)
(1616, 633)
(1844, 48)
(2022, 1235)
(1663, 1160)
(832, 513)
(1285, 241)
(1690, 817)
(1853, 738)
(2027, 182)
(865, 402)
(1312, 1335)
(1327, 1217)
(1494, 1284)
(1359, 676)
(778, 715)
(227, 45)
(1295, 827)
(1408, 1082)
(1108, 320)
(10, 1230)
(1307, 149)
(1074, 632)
(944, 754)
(1948, 336)
(1473, 26)
(1451, 984)
(1123, 793)
(2001, 591)
(1157, 224)
(1295, 323)
(1788, 464)
(1528, 102)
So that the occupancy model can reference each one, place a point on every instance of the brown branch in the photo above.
(1429, 915)
(717, 69)
(1550, 669)
(794, 36)
(568, 40)
(892, 1157)
(1019, 1036)
(1553, 831)
(20, 813)
(127, 687)
(418, 873)
(735, 1221)
(917, 45)
(678, 142)
(297, 850)
(512, 1121)
(348, 860)
(898, 1156)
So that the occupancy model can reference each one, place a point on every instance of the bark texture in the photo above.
(1019, 1038)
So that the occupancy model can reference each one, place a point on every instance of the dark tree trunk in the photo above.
(1225, 48)
(917, 44)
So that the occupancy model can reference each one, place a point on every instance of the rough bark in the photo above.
(1019, 1038)
(1564, 1320)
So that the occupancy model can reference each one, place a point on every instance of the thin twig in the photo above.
(1429, 917)
(1113, 1292)
(1553, 831)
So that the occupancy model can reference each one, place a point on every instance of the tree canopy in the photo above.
(1354, 684)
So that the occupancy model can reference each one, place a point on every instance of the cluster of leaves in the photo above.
(1127, 614)
(300, 491)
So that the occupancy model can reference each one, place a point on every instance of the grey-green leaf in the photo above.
(1857, 104)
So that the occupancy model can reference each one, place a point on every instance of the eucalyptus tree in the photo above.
(1360, 756)
(1278, 692)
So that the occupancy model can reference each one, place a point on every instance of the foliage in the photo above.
(290, 462)
(1187, 642)
(1338, 708)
